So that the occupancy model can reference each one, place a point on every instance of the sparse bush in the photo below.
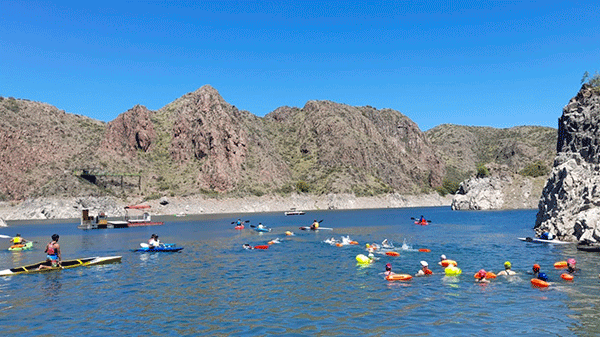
(594, 80)
(448, 187)
(482, 171)
(536, 169)
(302, 186)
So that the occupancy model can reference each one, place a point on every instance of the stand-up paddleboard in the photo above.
(537, 240)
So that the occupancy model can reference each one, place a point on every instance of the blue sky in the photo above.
(484, 63)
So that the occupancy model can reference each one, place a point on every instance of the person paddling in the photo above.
(53, 255)
(18, 240)
(315, 225)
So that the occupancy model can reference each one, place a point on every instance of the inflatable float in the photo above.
(261, 247)
(539, 283)
(425, 250)
(566, 277)
(452, 271)
(446, 263)
(398, 277)
(560, 264)
(392, 253)
(362, 259)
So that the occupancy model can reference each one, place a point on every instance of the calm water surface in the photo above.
(301, 286)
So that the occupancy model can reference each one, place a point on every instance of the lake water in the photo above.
(301, 286)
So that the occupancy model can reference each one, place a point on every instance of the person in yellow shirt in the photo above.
(315, 225)
(18, 240)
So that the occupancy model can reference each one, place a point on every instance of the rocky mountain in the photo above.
(569, 204)
(463, 148)
(201, 145)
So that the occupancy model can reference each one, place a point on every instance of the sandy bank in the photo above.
(70, 208)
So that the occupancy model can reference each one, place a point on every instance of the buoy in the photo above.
(446, 263)
(261, 247)
(425, 250)
(539, 283)
(398, 277)
(560, 264)
(353, 242)
(452, 271)
(339, 244)
(488, 275)
(392, 253)
(566, 277)
(360, 258)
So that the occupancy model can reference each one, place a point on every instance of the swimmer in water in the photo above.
(507, 271)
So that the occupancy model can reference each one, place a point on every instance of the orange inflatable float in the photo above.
(398, 277)
(261, 247)
(566, 277)
(488, 275)
(353, 242)
(392, 253)
(446, 263)
(539, 283)
(425, 250)
(339, 244)
(560, 264)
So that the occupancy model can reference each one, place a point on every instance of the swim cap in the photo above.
(443, 257)
(543, 277)
(507, 264)
(481, 273)
(536, 268)
(424, 263)
(388, 266)
(367, 245)
(571, 261)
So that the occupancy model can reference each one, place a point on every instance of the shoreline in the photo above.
(69, 209)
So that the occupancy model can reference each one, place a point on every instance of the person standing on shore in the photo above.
(53, 255)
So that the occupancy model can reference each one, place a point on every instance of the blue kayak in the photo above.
(264, 229)
(167, 248)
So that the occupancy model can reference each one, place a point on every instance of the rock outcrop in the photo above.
(505, 191)
(570, 203)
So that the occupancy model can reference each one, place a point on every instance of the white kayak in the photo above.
(538, 240)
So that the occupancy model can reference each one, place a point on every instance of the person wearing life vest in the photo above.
(507, 271)
(315, 225)
(53, 256)
(18, 240)
(424, 269)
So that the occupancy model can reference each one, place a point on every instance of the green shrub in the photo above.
(482, 171)
(536, 169)
(302, 186)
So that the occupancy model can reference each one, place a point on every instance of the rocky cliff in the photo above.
(569, 206)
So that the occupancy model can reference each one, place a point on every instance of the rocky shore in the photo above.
(70, 208)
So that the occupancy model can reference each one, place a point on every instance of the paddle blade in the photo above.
(413, 219)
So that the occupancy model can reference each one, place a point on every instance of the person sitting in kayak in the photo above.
(547, 236)
(154, 242)
(571, 266)
(424, 269)
(260, 226)
(507, 271)
(239, 222)
(18, 240)
(315, 225)
(53, 256)
(422, 219)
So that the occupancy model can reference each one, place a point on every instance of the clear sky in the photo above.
(485, 63)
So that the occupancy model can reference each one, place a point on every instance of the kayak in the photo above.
(239, 227)
(595, 247)
(167, 248)
(18, 247)
(33, 268)
(308, 228)
(538, 240)
(422, 223)
(264, 229)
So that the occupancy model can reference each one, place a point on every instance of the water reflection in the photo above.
(52, 284)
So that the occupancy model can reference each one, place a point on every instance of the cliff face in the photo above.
(569, 206)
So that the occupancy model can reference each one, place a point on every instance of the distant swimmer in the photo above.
(424, 271)
(481, 276)
(571, 266)
(388, 270)
(247, 246)
(442, 258)
(507, 269)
